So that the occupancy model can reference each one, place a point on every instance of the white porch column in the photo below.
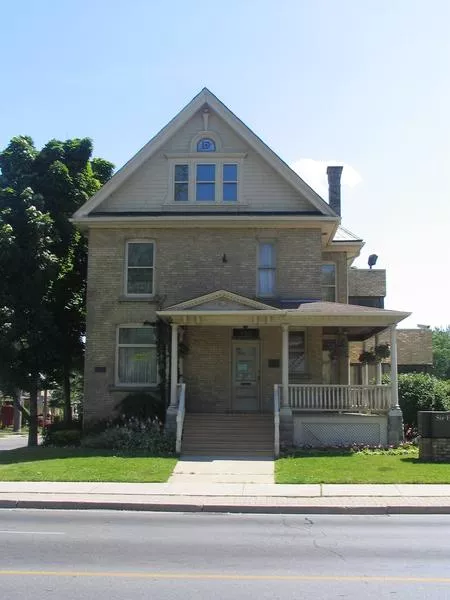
(394, 373)
(379, 370)
(174, 367)
(285, 365)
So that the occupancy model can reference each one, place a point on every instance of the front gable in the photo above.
(220, 300)
(145, 185)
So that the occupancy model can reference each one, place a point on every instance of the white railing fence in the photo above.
(355, 398)
(181, 393)
(276, 418)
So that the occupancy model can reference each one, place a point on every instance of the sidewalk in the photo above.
(230, 497)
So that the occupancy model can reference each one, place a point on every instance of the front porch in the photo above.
(247, 357)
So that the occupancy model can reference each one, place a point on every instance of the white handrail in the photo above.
(276, 419)
(352, 398)
(181, 393)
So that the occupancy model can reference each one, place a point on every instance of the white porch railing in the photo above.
(181, 393)
(276, 418)
(354, 398)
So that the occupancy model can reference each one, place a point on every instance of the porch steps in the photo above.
(243, 435)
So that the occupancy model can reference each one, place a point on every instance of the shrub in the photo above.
(133, 435)
(58, 434)
(419, 391)
(142, 406)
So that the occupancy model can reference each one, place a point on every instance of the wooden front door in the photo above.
(246, 376)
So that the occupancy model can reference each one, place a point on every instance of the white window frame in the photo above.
(126, 267)
(119, 383)
(260, 268)
(333, 264)
(205, 158)
(305, 346)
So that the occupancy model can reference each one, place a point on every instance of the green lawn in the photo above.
(341, 467)
(77, 464)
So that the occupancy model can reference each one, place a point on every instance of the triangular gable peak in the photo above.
(221, 300)
(206, 99)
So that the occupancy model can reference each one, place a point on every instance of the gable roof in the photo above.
(205, 97)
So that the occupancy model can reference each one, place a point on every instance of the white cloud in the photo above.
(314, 172)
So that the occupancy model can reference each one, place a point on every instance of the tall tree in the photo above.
(43, 262)
(441, 352)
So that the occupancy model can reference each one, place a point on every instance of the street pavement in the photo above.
(11, 442)
(116, 555)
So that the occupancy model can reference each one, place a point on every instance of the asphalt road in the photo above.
(11, 442)
(120, 556)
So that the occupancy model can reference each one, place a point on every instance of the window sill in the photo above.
(138, 298)
(133, 388)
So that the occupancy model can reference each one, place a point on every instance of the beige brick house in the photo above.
(208, 235)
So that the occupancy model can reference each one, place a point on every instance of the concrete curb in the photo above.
(224, 508)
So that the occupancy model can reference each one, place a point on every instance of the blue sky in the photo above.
(361, 82)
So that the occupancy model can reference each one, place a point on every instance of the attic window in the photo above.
(206, 145)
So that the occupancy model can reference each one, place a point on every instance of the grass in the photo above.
(7, 431)
(360, 467)
(80, 464)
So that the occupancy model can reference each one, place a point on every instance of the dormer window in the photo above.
(206, 145)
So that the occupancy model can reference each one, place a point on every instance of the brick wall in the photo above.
(366, 282)
(188, 264)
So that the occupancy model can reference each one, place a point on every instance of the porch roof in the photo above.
(228, 309)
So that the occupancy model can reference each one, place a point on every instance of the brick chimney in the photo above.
(334, 188)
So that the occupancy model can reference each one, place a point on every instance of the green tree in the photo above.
(421, 391)
(441, 352)
(43, 263)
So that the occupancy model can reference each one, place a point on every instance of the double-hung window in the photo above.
(205, 183)
(136, 355)
(140, 256)
(328, 282)
(181, 183)
(266, 269)
(229, 182)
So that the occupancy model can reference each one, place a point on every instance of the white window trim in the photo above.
(335, 280)
(212, 135)
(119, 383)
(259, 267)
(205, 158)
(128, 294)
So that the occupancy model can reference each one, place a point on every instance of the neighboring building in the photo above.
(414, 354)
(207, 233)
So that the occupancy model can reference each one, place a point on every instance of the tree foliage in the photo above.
(441, 352)
(420, 391)
(43, 261)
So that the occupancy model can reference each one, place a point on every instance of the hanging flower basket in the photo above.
(382, 351)
(368, 357)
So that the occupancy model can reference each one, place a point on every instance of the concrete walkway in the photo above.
(229, 497)
(199, 471)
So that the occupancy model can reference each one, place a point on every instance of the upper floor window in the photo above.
(266, 269)
(328, 282)
(181, 183)
(206, 145)
(230, 182)
(206, 182)
(140, 256)
(136, 357)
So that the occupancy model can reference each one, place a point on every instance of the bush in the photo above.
(133, 435)
(419, 391)
(58, 434)
(142, 406)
